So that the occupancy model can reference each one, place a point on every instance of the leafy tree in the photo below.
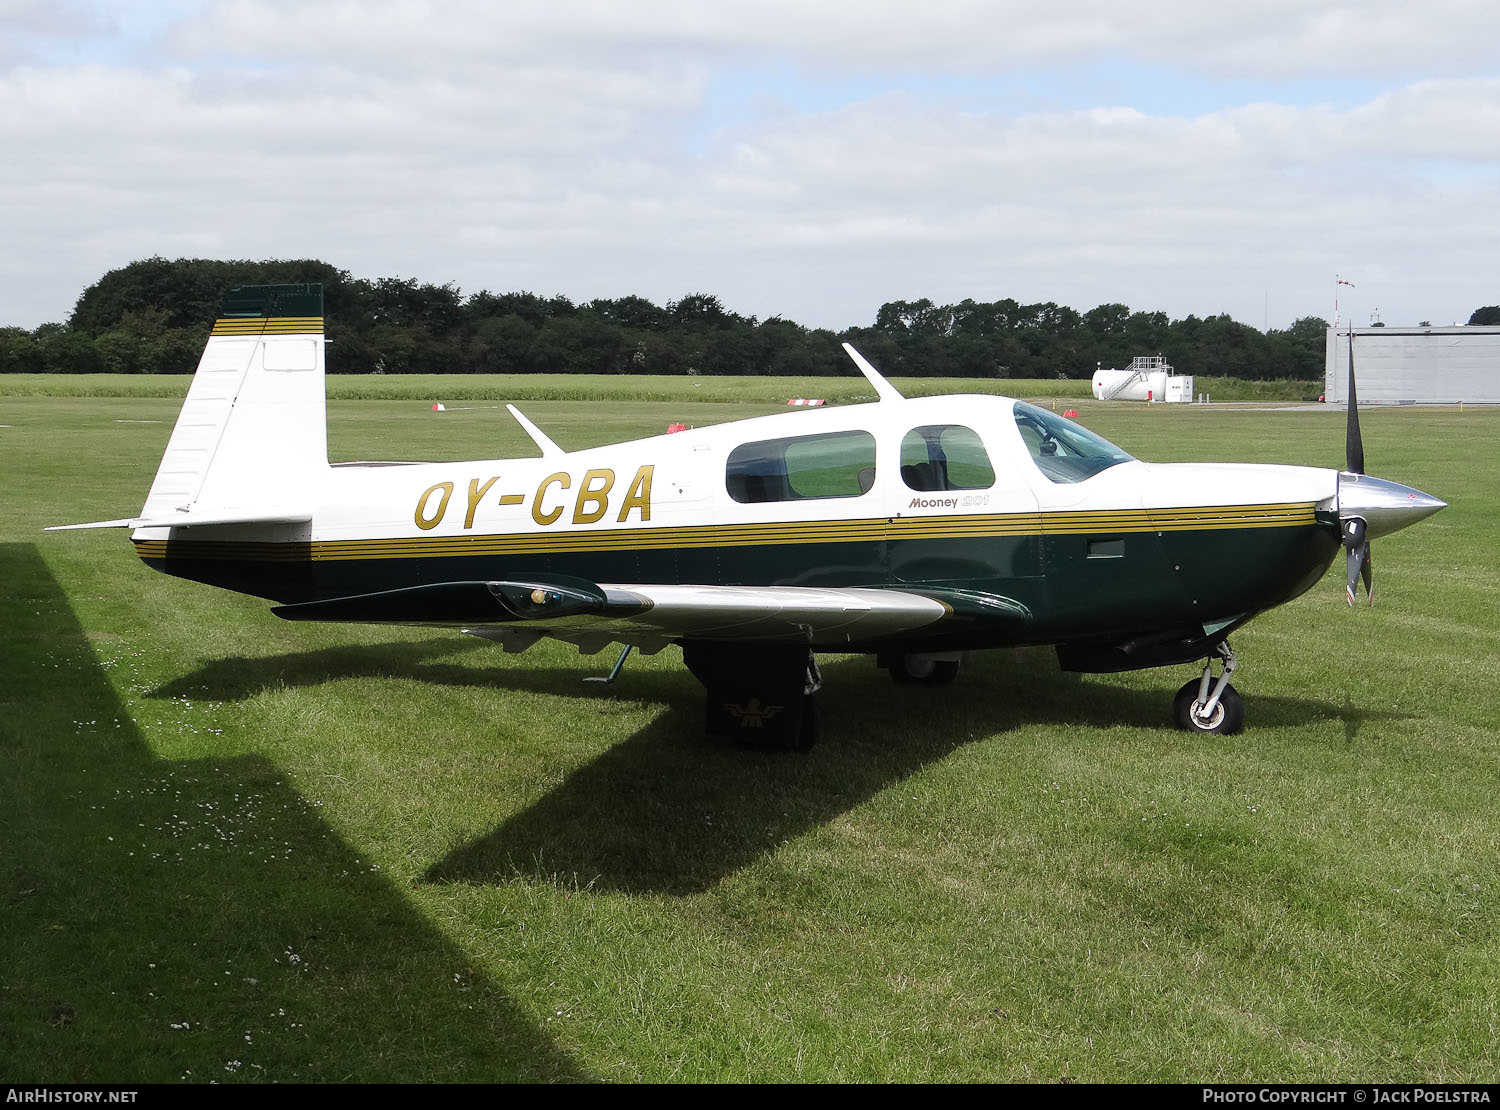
(1147, 331)
(1107, 320)
(394, 348)
(64, 351)
(401, 302)
(577, 344)
(190, 290)
(151, 316)
(18, 352)
(636, 313)
(1488, 316)
(501, 343)
(529, 307)
(701, 309)
(1297, 352)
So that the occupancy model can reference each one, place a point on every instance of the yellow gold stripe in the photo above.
(274, 325)
(751, 535)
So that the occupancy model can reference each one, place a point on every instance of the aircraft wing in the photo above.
(518, 613)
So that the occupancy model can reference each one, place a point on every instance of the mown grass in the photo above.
(251, 851)
(449, 388)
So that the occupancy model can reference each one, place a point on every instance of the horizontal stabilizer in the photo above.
(128, 522)
(199, 519)
(193, 520)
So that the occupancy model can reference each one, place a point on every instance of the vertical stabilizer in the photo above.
(252, 435)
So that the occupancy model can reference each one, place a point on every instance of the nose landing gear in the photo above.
(1204, 705)
(921, 669)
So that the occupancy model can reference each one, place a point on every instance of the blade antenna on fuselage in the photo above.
(883, 389)
(538, 436)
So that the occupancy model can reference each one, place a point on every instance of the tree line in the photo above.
(152, 317)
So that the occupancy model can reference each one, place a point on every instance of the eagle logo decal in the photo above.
(752, 714)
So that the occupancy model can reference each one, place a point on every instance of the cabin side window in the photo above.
(945, 456)
(838, 464)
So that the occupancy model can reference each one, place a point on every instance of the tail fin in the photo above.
(251, 441)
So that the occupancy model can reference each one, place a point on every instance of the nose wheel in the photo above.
(1209, 705)
(923, 668)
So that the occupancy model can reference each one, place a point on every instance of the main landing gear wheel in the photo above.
(921, 670)
(1204, 705)
(1227, 717)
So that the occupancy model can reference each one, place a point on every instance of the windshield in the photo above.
(1063, 450)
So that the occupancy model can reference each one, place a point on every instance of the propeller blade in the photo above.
(1357, 558)
(1368, 573)
(1354, 445)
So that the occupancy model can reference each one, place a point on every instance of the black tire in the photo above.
(1228, 717)
(916, 670)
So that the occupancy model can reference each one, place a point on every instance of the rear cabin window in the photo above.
(945, 456)
(798, 468)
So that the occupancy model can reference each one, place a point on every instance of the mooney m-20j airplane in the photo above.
(913, 529)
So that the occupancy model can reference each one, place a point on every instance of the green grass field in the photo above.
(675, 389)
(250, 851)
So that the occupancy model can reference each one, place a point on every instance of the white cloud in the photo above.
(583, 148)
(1266, 38)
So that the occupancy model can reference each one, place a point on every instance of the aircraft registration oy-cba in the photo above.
(916, 530)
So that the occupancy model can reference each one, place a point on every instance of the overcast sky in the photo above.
(810, 159)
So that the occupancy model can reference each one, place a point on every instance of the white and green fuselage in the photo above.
(907, 526)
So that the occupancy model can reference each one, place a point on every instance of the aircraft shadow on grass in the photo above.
(239, 677)
(668, 810)
(147, 941)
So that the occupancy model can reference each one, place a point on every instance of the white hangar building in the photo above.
(1422, 365)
